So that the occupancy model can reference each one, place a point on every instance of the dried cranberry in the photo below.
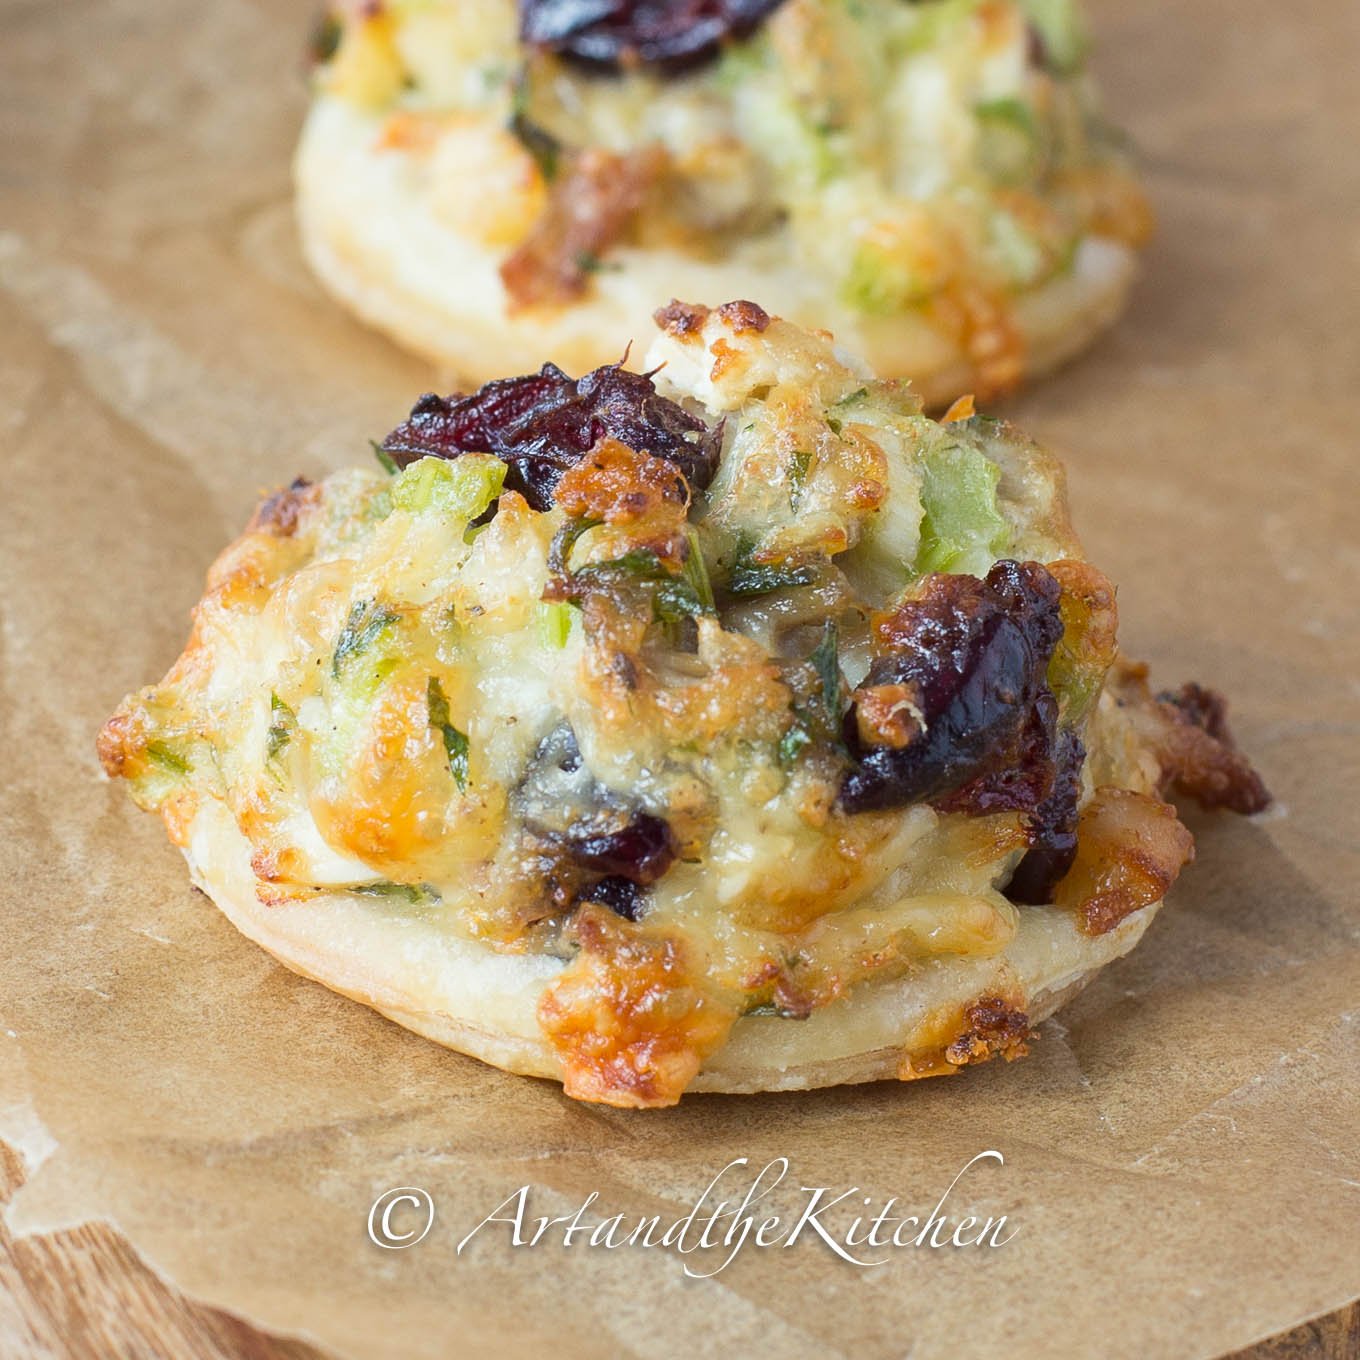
(610, 34)
(1052, 827)
(974, 655)
(640, 851)
(1021, 776)
(621, 895)
(542, 424)
(579, 821)
(1205, 708)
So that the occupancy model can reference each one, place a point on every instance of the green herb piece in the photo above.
(686, 596)
(696, 573)
(388, 463)
(793, 742)
(416, 894)
(674, 601)
(637, 562)
(751, 578)
(282, 725)
(542, 146)
(590, 263)
(367, 622)
(675, 598)
(160, 753)
(798, 472)
(822, 719)
(564, 540)
(455, 742)
(826, 662)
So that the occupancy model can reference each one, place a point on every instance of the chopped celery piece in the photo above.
(460, 487)
(1018, 251)
(932, 20)
(1011, 145)
(962, 529)
(882, 282)
(1061, 30)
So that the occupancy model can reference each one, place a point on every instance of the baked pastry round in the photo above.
(728, 727)
(931, 181)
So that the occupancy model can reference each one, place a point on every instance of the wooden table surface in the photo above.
(84, 1294)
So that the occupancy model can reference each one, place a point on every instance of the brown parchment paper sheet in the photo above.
(1181, 1149)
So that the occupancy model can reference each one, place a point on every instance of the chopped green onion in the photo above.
(554, 625)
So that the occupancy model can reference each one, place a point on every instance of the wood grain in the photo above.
(85, 1294)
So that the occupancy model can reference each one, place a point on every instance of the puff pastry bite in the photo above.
(729, 727)
(495, 184)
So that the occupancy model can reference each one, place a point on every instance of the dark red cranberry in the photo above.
(640, 851)
(613, 34)
(974, 654)
(621, 895)
(545, 423)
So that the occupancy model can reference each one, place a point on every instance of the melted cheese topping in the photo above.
(374, 684)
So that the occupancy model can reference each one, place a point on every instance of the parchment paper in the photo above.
(1181, 1151)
